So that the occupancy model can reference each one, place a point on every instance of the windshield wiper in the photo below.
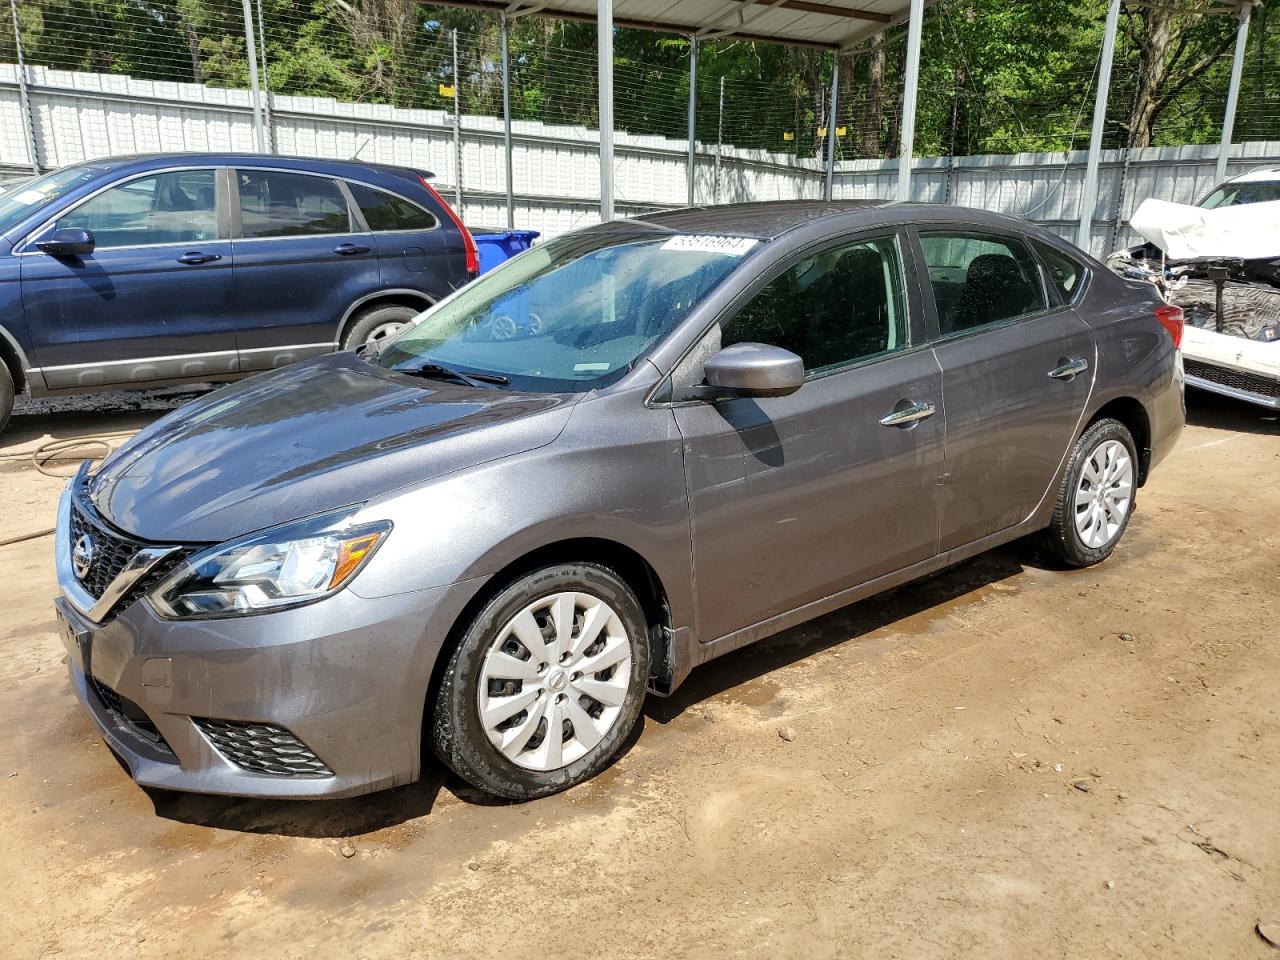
(438, 371)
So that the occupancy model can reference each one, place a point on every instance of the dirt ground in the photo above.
(1001, 761)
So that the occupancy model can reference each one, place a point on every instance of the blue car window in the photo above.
(175, 207)
(385, 211)
(275, 204)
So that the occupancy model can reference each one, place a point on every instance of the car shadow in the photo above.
(1205, 409)
(935, 592)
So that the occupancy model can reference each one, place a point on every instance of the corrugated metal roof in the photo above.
(822, 23)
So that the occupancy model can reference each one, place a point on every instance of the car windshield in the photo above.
(1232, 194)
(17, 201)
(572, 314)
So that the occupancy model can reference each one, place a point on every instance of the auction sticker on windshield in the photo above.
(729, 246)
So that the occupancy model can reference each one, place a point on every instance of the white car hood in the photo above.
(1250, 231)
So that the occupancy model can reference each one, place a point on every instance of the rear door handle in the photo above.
(1067, 369)
(349, 249)
(909, 412)
(195, 256)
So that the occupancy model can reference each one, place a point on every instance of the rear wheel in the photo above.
(546, 683)
(6, 396)
(1095, 497)
(375, 324)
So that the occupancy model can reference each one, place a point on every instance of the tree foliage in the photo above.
(997, 75)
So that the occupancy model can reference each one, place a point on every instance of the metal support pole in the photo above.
(268, 103)
(24, 97)
(604, 67)
(1089, 191)
(693, 113)
(506, 122)
(915, 28)
(831, 126)
(457, 131)
(719, 140)
(1233, 92)
(251, 51)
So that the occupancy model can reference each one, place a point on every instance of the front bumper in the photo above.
(1247, 370)
(347, 677)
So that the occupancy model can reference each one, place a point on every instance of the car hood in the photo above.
(312, 437)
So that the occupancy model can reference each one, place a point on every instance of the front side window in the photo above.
(175, 207)
(385, 211)
(274, 204)
(840, 306)
(979, 280)
(573, 314)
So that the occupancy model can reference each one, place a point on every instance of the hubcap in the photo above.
(1105, 494)
(554, 681)
(384, 331)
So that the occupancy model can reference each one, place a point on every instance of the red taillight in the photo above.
(468, 241)
(1171, 319)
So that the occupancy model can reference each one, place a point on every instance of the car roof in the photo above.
(148, 160)
(1260, 175)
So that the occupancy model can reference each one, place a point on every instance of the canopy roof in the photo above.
(831, 24)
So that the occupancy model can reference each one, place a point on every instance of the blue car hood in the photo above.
(312, 437)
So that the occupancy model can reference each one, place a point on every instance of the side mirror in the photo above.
(68, 243)
(754, 370)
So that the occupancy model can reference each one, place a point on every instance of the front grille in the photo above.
(112, 552)
(1254, 383)
(128, 713)
(263, 748)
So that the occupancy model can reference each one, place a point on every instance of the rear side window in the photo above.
(176, 207)
(1064, 273)
(840, 306)
(274, 204)
(980, 280)
(385, 211)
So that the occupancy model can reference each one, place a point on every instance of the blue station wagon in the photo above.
(145, 271)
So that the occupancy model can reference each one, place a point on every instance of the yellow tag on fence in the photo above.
(446, 90)
(840, 131)
(788, 135)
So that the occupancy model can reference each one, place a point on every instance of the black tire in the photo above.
(6, 396)
(457, 735)
(365, 323)
(1061, 540)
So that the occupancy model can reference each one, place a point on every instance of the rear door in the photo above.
(152, 301)
(303, 258)
(1017, 370)
(796, 498)
(415, 251)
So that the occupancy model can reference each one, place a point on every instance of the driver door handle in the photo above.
(195, 256)
(908, 413)
(349, 249)
(1069, 368)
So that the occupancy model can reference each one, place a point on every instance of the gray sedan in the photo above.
(627, 451)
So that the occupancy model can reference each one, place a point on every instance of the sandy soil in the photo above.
(1003, 760)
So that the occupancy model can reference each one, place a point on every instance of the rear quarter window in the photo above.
(1065, 274)
(385, 211)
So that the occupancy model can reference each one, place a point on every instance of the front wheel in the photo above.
(1095, 497)
(546, 683)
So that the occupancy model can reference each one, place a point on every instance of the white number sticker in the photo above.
(729, 246)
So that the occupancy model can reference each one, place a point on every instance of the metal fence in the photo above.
(78, 116)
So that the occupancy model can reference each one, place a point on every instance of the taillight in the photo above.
(468, 241)
(1170, 318)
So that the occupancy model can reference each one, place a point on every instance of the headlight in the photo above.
(282, 567)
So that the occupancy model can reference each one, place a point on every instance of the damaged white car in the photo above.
(1220, 262)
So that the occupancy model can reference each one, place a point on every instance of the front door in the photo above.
(151, 302)
(796, 498)
(1017, 371)
(302, 259)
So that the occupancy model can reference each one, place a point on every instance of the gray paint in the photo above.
(753, 513)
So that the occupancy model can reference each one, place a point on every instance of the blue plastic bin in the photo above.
(495, 246)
